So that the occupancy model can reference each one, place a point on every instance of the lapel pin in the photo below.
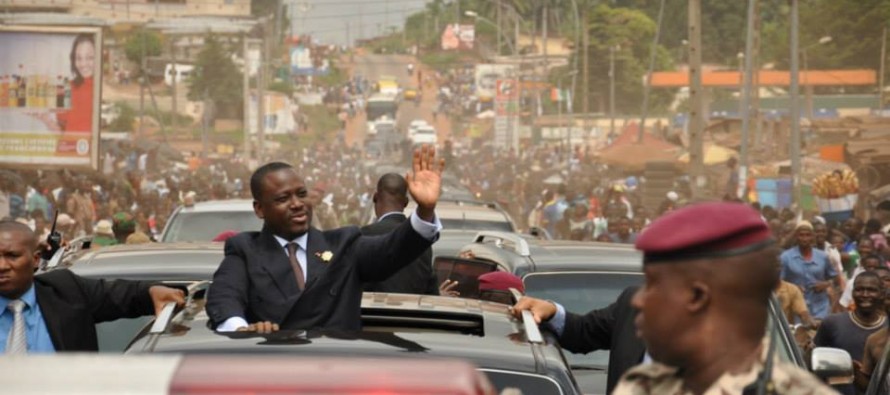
(325, 256)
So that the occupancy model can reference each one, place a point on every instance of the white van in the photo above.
(183, 71)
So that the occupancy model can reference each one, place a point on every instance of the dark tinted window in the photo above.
(580, 293)
(205, 226)
(527, 383)
(465, 271)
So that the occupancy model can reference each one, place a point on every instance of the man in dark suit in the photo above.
(58, 310)
(390, 201)
(293, 276)
(610, 328)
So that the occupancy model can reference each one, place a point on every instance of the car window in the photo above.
(115, 336)
(204, 226)
(580, 292)
(465, 271)
(524, 382)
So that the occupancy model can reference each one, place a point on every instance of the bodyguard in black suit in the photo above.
(390, 201)
(610, 328)
(293, 276)
(59, 310)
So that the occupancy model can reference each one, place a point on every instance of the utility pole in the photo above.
(585, 66)
(881, 75)
(260, 110)
(516, 34)
(747, 85)
(652, 52)
(612, 50)
(795, 103)
(498, 10)
(142, 82)
(696, 114)
(173, 112)
(246, 93)
(348, 41)
(544, 39)
(754, 108)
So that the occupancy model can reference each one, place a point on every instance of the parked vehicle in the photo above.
(205, 220)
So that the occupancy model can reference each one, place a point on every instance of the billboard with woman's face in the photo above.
(50, 80)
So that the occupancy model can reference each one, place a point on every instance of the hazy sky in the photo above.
(327, 20)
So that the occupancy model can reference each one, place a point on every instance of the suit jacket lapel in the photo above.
(315, 246)
(276, 263)
(53, 315)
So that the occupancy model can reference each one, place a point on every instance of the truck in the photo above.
(381, 107)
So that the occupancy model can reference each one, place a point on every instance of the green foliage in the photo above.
(854, 25)
(281, 87)
(133, 47)
(633, 31)
(335, 77)
(217, 77)
(322, 120)
(125, 118)
(441, 60)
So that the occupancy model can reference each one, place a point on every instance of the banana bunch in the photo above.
(836, 184)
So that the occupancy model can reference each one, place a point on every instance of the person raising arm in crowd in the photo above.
(293, 276)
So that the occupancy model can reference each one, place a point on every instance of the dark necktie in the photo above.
(17, 343)
(298, 270)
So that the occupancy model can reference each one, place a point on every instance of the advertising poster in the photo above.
(486, 77)
(459, 37)
(306, 61)
(50, 83)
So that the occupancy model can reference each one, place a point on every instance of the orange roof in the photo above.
(672, 79)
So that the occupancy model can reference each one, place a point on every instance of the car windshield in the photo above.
(580, 292)
(204, 226)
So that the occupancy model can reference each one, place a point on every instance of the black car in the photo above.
(880, 377)
(394, 326)
(582, 276)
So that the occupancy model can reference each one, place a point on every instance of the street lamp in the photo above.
(476, 16)
(806, 68)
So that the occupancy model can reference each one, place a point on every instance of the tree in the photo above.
(151, 41)
(854, 25)
(633, 31)
(217, 78)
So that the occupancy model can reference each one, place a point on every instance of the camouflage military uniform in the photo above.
(659, 379)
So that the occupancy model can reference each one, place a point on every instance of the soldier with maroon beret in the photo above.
(702, 313)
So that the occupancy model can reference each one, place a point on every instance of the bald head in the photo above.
(391, 195)
(392, 184)
(29, 236)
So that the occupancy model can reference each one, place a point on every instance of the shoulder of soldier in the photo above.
(653, 378)
(789, 379)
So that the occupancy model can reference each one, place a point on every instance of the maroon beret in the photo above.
(224, 235)
(707, 230)
(500, 281)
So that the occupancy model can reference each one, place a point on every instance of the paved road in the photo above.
(373, 67)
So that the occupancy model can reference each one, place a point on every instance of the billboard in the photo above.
(506, 110)
(486, 77)
(458, 37)
(50, 79)
(302, 61)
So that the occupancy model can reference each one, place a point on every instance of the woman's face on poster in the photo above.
(84, 58)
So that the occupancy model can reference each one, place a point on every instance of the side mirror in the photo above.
(832, 365)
